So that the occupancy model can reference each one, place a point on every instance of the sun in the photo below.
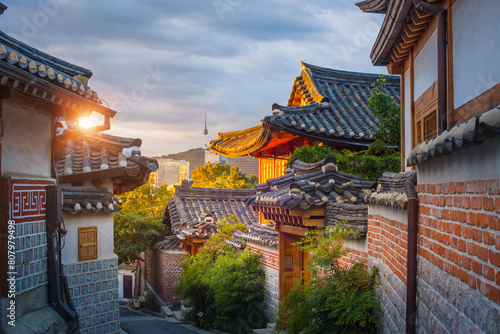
(85, 122)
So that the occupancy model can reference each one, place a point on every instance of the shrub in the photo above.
(336, 299)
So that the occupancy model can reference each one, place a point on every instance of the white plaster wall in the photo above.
(476, 48)
(105, 234)
(389, 212)
(479, 162)
(407, 113)
(360, 245)
(26, 145)
(425, 66)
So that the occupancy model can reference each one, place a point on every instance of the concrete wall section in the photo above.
(93, 286)
(425, 66)
(476, 37)
(105, 233)
(26, 144)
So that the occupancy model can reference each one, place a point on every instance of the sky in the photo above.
(163, 64)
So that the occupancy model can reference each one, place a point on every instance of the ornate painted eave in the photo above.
(241, 143)
(401, 30)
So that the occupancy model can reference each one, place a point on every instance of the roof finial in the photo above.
(205, 130)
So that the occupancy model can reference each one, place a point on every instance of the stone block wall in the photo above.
(387, 244)
(93, 286)
(167, 270)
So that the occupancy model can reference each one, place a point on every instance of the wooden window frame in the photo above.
(425, 105)
(81, 243)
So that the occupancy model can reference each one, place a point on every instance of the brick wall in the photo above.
(167, 271)
(459, 241)
(354, 256)
(387, 251)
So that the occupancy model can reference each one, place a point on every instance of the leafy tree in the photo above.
(221, 176)
(336, 299)
(310, 154)
(224, 287)
(139, 224)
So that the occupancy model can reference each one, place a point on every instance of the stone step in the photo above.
(167, 311)
(178, 315)
(271, 325)
(262, 331)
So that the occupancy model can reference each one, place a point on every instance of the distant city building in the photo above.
(247, 165)
(172, 171)
(211, 156)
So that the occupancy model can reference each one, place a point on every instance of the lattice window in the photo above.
(430, 126)
(87, 243)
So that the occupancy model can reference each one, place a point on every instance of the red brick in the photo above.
(470, 186)
(497, 241)
(445, 214)
(477, 267)
(453, 214)
(482, 253)
(494, 258)
(471, 218)
(482, 219)
(488, 203)
(442, 200)
(462, 245)
(488, 238)
(457, 201)
(497, 205)
(463, 275)
(477, 234)
(466, 262)
(432, 189)
(494, 222)
(493, 187)
(444, 188)
(452, 187)
(460, 187)
(472, 281)
(457, 229)
(490, 291)
(466, 232)
(476, 203)
(480, 187)
(497, 277)
(462, 216)
(471, 248)
(488, 272)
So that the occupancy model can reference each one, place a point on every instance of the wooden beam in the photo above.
(295, 230)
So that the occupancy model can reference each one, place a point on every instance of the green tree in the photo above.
(221, 176)
(216, 244)
(335, 299)
(139, 223)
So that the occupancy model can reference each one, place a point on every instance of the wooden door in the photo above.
(127, 286)
(292, 263)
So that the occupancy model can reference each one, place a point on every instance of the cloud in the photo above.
(164, 64)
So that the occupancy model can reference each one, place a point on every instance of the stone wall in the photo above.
(93, 286)
(167, 270)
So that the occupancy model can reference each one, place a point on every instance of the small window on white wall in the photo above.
(87, 243)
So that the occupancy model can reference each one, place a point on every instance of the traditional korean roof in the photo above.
(331, 106)
(185, 212)
(327, 105)
(354, 215)
(390, 190)
(475, 130)
(47, 77)
(312, 185)
(243, 142)
(170, 242)
(401, 30)
(89, 199)
(257, 233)
(98, 156)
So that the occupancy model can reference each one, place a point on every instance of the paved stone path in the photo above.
(136, 322)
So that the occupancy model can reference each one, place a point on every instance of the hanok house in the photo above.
(37, 90)
(448, 278)
(91, 170)
(191, 216)
(325, 106)
(311, 197)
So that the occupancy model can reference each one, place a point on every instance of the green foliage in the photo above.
(336, 299)
(139, 224)
(216, 244)
(221, 176)
(310, 154)
(388, 113)
(224, 292)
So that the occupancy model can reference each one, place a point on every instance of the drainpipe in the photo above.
(441, 55)
(411, 275)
